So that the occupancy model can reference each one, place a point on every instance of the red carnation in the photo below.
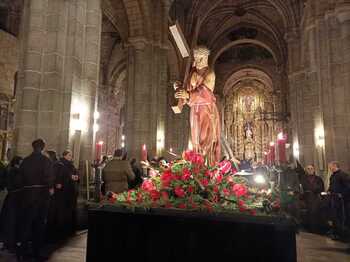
(239, 190)
(165, 195)
(155, 195)
(208, 173)
(230, 179)
(148, 186)
(216, 189)
(190, 189)
(241, 203)
(182, 206)
(179, 191)
(186, 174)
(166, 178)
(193, 157)
(226, 192)
(242, 209)
(219, 178)
(225, 166)
(168, 205)
(205, 182)
(139, 197)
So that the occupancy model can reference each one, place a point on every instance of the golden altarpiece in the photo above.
(248, 133)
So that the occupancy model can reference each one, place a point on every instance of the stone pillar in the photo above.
(145, 97)
(296, 78)
(58, 76)
(341, 92)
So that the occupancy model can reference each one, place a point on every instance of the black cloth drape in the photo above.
(171, 235)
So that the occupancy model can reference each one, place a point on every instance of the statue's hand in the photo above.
(182, 94)
(177, 85)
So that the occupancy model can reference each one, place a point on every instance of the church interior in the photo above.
(93, 76)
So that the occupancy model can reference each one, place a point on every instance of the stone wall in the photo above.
(319, 76)
(8, 62)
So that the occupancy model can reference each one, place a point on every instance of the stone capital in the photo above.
(292, 35)
(138, 43)
(342, 12)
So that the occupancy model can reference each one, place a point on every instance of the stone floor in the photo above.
(311, 248)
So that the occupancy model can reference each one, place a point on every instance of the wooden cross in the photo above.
(184, 50)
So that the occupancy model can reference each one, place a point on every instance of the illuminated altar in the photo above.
(245, 127)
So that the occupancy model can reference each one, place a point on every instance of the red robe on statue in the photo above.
(204, 118)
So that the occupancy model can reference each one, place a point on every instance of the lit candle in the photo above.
(144, 153)
(99, 150)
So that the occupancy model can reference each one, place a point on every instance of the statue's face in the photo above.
(200, 60)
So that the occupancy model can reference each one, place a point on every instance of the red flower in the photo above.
(229, 179)
(209, 173)
(225, 166)
(216, 189)
(190, 189)
(193, 157)
(252, 212)
(168, 205)
(155, 195)
(139, 198)
(205, 182)
(148, 186)
(179, 191)
(166, 178)
(226, 192)
(242, 209)
(241, 203)
(182, 206)
(239, 190)
(219, 178)
(186, 174)
(165, 195)
(215, 198)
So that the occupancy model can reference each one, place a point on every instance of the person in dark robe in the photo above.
(312, 186)
(51, 221)
(289, 185)
(3, 170)
(66, 190)
(37, 179)
(9, 216)
(339, 189)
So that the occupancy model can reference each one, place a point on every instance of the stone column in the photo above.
(58, 76)
(296, 78)
(341, 80)
(145, 97)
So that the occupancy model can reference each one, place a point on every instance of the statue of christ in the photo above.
(204, 115)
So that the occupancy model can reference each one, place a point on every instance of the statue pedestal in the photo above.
(178, 235)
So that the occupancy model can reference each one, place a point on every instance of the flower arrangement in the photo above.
(189, 183)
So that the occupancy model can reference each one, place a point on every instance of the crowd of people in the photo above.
(326, 208)
(42, 192)
(41, 201)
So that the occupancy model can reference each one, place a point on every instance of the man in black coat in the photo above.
(66, 195)
(37, 176)
(339, 187)
(312, 187)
